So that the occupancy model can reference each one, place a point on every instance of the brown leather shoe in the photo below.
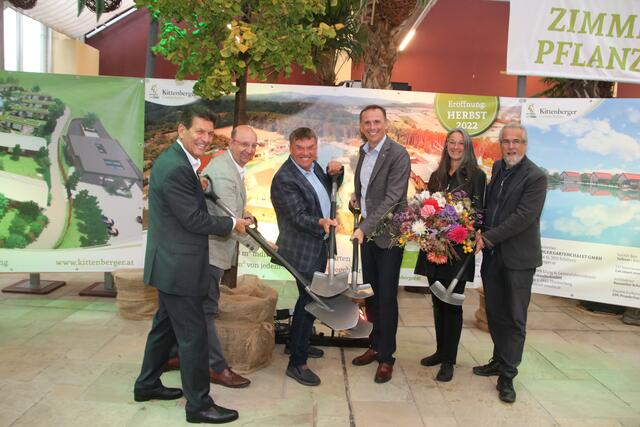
(173, 364)
(365, 358)
(228, 378)
(383, 373)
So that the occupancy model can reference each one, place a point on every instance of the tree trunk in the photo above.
(380, 55)
(391, 23)
(326, 67)
(240, 106)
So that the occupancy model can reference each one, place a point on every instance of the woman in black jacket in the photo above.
(458, 170)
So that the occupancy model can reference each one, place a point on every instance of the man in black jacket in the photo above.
(176, 263)
(511, 253)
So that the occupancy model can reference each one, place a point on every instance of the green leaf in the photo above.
(81, 4)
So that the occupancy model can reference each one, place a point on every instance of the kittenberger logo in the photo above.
(170, 92)
(550, 112)
(153, 91)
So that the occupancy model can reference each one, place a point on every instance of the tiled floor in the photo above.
(67, 360)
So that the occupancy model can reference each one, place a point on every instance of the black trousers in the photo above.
(381, 269)
(507, 294)
(179, 319)
(448, 323)
(302, 322)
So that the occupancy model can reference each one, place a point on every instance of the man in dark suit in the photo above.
(381, 181)
(511, 252)
(300, 196)
(176, 263)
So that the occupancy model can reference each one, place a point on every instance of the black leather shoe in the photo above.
(304, 376)
(490, 369)
(158, 393)
(432, 360)
(312, 352)
(506, 392)
(214, 415)
(445, 373)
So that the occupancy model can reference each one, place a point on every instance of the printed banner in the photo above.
(591, 219)
(590, 149)
(70, 172)
(417, 120)
(576, 39)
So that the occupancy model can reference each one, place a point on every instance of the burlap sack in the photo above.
(135, 300)
(245, 324)
(250, 301)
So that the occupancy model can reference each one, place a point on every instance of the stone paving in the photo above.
(67, 360)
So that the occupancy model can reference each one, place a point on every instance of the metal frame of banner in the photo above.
(108, 289)
(34, 285)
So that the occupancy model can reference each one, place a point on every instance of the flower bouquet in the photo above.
(436, 222)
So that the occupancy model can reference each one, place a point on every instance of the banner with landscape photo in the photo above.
(591, 220)
(415, 120)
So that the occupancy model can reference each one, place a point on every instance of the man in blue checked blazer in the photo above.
(300, 196)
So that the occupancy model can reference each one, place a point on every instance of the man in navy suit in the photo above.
(300, 196)
(176, 263)
(511, 253)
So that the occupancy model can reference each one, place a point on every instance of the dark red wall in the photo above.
(460, 47)
(123, 47)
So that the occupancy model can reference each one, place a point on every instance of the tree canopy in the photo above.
(219, 40)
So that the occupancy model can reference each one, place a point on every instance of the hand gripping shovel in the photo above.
(337, 313)
(447, 295)
(357, 291)
(331, 284)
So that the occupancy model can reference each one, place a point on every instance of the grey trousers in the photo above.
(217, 361)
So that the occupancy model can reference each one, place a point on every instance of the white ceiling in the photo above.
(62, 16)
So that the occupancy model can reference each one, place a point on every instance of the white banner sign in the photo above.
(578, 39)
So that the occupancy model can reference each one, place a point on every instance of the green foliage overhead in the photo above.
(218, 40)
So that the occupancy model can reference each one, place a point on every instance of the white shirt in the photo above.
(241, 170)
(194, 161)
(195, 164)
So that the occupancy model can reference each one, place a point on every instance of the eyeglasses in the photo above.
(516, 142)
(246, 145)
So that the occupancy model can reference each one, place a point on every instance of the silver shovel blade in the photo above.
(345, 312)
(359, 292)
(441, 293)
(361, 330)
(328, 286)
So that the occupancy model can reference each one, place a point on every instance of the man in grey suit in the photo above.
(511, 252)
(381, 181)
(176, 263)
(227, 176)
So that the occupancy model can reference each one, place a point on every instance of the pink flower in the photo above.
(434, 203)
(427, 211)
(458, 234)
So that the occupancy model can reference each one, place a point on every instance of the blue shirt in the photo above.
(321, 190)
(370, 157)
